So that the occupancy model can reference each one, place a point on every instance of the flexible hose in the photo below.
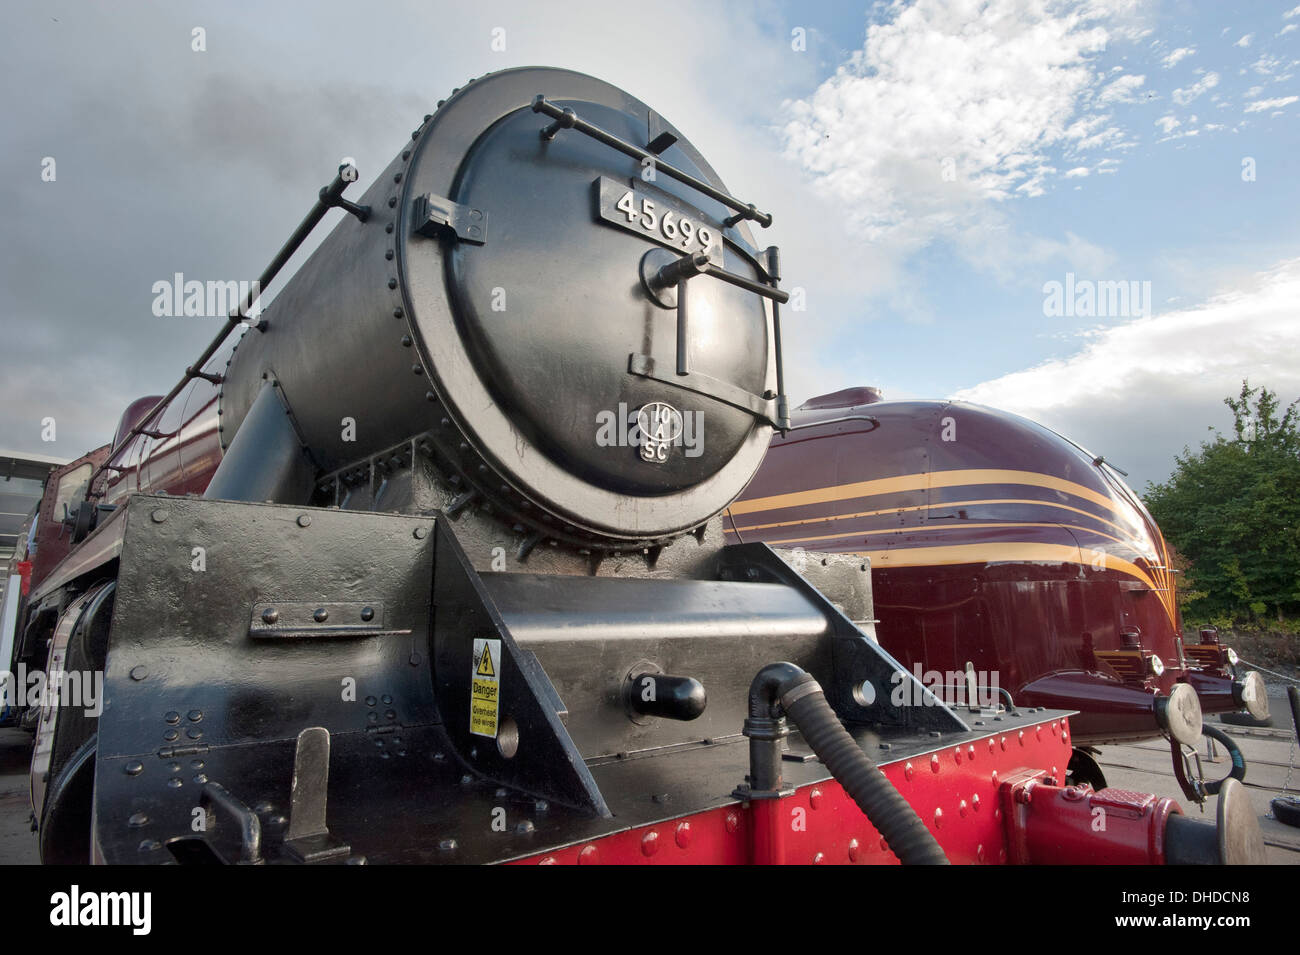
(885, 808)
(1238, 771)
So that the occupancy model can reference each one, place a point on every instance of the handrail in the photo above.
(329, 197)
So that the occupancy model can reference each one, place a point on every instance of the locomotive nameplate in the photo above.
(650, 216)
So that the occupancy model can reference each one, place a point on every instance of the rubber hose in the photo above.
(882, 804)
(1238, 772)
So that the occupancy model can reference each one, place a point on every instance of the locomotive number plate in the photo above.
(621, 205)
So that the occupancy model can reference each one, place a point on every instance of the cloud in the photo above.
(951, 106)
(1183, 96)
(1245, 41)
(1140, 391)
(1122, 90)
(1179, 54)
(1262, 104)
(1168, 124)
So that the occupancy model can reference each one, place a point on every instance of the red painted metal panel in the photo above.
(955, 790)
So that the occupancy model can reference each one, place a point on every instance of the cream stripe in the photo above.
(919, 482)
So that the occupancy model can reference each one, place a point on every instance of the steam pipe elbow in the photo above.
(770, 684)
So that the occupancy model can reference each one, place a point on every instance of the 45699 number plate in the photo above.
(621, 205)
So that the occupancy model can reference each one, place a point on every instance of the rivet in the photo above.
(388, 254)
(650, 843)
(970, 751)
(138, 820)
(134, 768)
(367, 613)
(397, 177)
(389, 227)
(1020, 737)
(908, 770)
(589, 855)
(397, 312)
(549, 860)
(934, 763)
(390, 715)
(993, 778)
(150, 845)
(321, 615)
(194, 715)
(371, 701)
(819, 858)
(171, 736)
(198, 764)
(194, 733)
(175, 782)
(421, 533)
(975, 802)
(1003, 742)
(731, 822)
(417, 370)
(270, 615)
(386, 698)
(684, 835)
(961, 808)
(855, 850)
(884, 844)
(430, 396)
(815, 798)
(406, 341)
(139, 672)
(200, 779)
(525, 827)
(304, 520)
(392, 201)
(956, 754)
(159, 515)
(392, 283)
(938, 817)
(172, 717)
(979, 852)
(406, 154)
(541, 805)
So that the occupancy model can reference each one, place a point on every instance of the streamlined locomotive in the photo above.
(429, 565)
(1000, 547)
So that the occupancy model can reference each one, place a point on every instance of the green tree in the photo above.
(1233, 510)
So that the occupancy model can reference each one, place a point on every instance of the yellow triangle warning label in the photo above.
(485, 662)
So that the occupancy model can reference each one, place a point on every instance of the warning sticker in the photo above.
(485, 687)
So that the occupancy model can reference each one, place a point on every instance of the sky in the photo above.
(1082, 212)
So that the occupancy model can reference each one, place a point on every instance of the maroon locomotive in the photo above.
(997, 547)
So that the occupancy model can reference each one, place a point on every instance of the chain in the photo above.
(1256, 666)
(1290, 760)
